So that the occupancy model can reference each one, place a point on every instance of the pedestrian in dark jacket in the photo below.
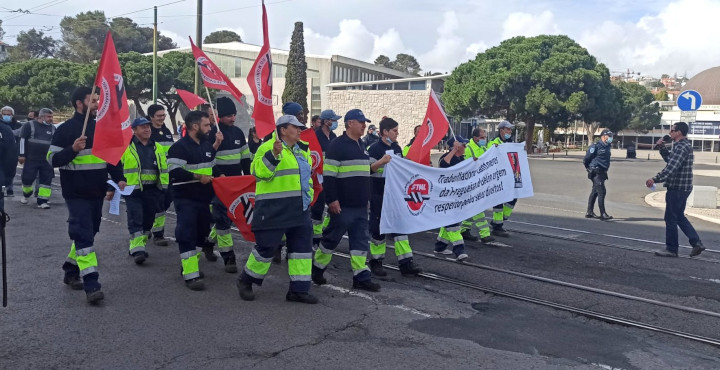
(8, 119)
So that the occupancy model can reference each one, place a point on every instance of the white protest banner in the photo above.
(419, 198)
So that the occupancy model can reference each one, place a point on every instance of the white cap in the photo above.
(505, 124)
(289, 119)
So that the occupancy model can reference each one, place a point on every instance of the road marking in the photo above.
(716, 281)
(374, 300)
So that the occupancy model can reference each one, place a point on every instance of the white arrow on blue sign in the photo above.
(689, 100)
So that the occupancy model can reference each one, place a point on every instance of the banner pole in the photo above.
(87, 114)
(211, 105)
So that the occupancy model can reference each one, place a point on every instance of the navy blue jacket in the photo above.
(8, 153)
(598, 156)
(351, 190)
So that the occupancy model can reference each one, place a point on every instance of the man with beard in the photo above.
(83, 179)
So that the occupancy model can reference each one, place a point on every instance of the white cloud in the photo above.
(181, 41)
(526, 24)
(663, 43)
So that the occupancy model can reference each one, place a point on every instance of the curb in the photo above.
(650, 201)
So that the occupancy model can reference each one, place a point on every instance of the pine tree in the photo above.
(296, 75)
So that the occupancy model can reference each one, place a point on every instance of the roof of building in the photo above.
(360, 83)
(707, 83)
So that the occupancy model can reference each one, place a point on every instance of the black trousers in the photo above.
(598, 178)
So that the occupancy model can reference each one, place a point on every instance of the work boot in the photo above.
(499, 231)
(665, 253)
(209, 252)
(95, 296)
(301, 297)
(376, 268)
(161, 241)
(317, 276)
(591, 214)
(230, 264)
(73, 281)
(140, 257)
(487, 239)
(410, 269)
(195, 284)
(697, 249)
(366, 285)
(468, 236)
(245, 290)
(604, 216)
(277, 255)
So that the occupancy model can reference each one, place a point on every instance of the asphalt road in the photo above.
(149, 320)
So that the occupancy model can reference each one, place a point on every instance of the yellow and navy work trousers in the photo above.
(142, 205)
(502, 212)
(319, 218)
(191, 231)
(41, 170)
(83, 224)
(221, 229)
(378, 241)
(354, 221)
(158, 227)
(450, 237)
(299, 254)
(479, 222)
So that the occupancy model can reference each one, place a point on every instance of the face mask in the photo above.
(507, 136)
(482, 142)
(333, 126)
(6, 118)
(609, 140)
(389, 141)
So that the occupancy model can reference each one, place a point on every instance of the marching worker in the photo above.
(597, 164)
(474, 149)
(295, 109)
(328, 123)
(406, 148)
(501, 212)
(378, 159)
(35, 138)
(144, 165)
(346, 174)
(163, 136)
(282, 168)
(7, 114)
(451, 236)
(83, 179)
(232, 159)
(190, 161)
(8, 162)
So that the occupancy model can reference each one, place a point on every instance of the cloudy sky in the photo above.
(647, 36)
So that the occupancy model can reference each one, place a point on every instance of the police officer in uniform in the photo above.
(597, 164)
(83, 178)
(144, 165)
(35, 138)
(378, 159)
(282, 167)
(163, 136)
(232, 159)
(190, 161)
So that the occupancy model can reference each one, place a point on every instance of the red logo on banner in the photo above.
(237, 193)
(417, 192)
(260, 81)
(212, 76)
(434, 127)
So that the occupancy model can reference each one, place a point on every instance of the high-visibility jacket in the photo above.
(473, 150)
(136, 175)
(278, 191)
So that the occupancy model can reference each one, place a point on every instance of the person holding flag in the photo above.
(232, 159)
(501, 212)
(283, 193)
(163, 136)
(324, 133)
(190, 162)
(143, 165)
(378, 158)
(83, 179)
(347, 191)
(474, 149)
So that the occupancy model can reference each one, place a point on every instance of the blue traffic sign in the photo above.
(689, 100)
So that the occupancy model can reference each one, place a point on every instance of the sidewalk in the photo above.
(642, 155)
(657, 199)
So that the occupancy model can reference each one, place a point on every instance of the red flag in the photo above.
(112, 127)
(237, 193)
(434, 127)
(260, 81)
(191, 100)
(212, 76)
(316, 153)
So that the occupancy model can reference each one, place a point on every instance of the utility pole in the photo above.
(198, 42)
(155, 86)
